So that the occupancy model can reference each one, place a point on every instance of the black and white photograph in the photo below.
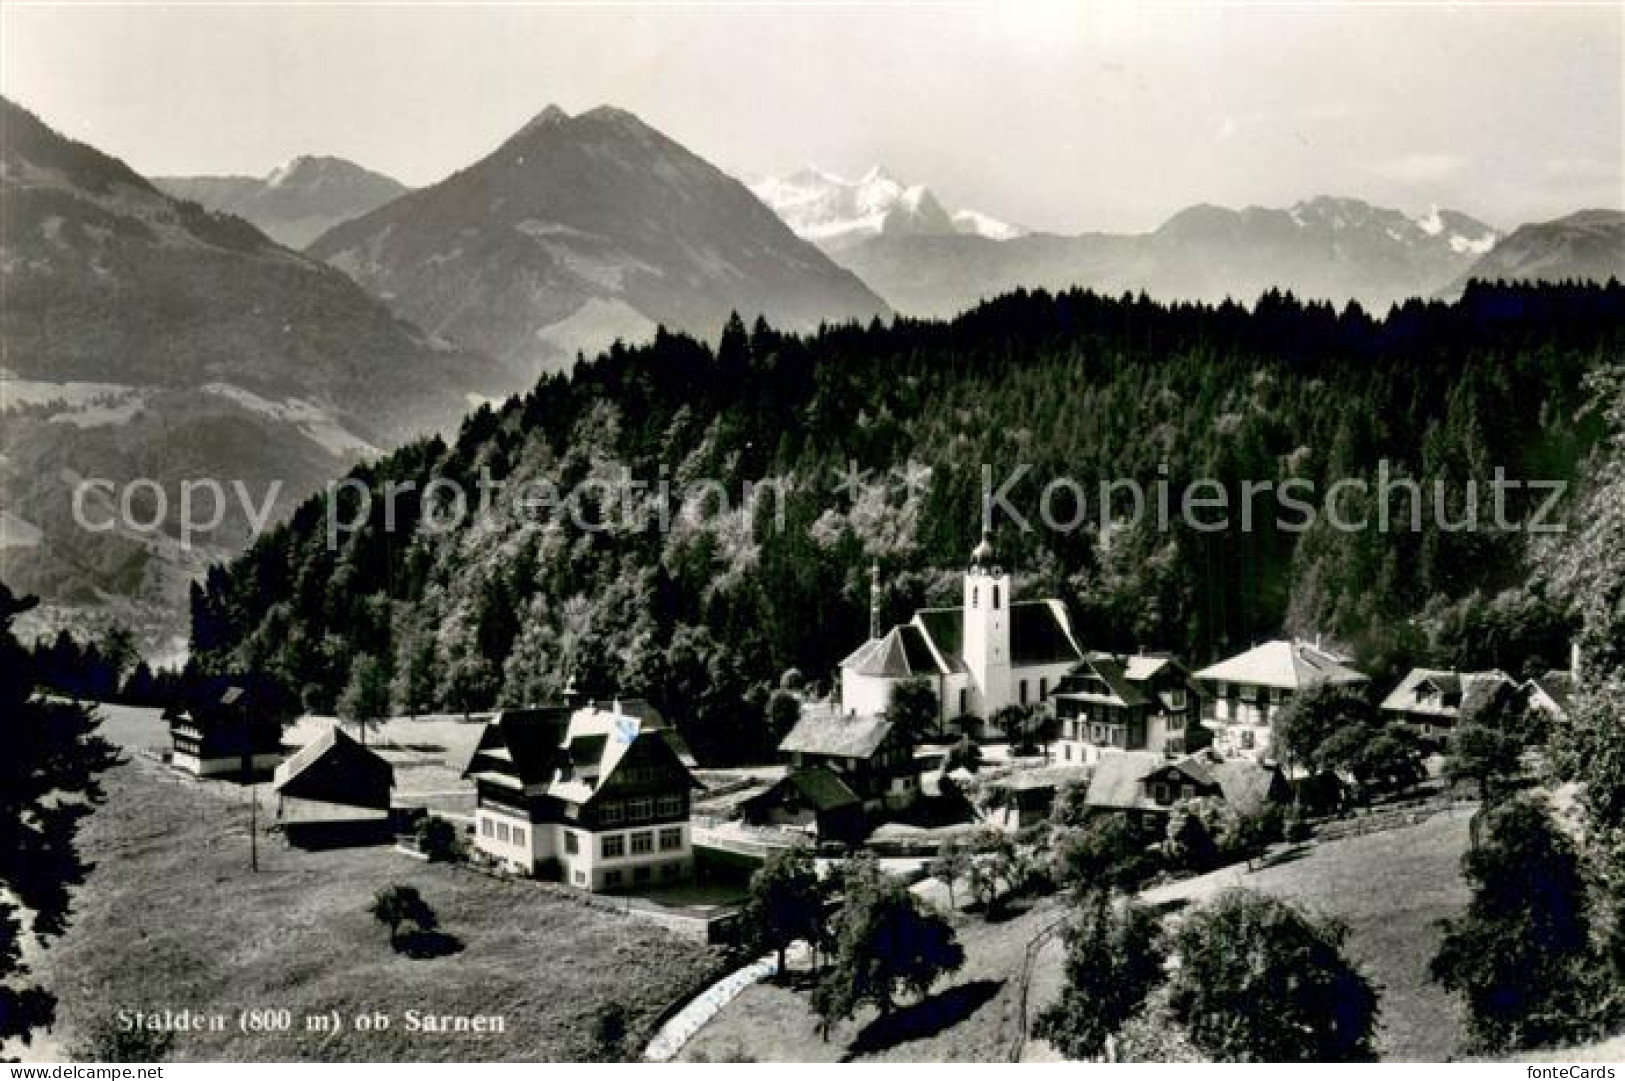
(699, 533)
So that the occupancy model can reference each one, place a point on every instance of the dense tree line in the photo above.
(702, 617)
(48, 784)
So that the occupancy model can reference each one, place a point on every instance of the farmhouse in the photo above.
(1141, 703)
(597, 797)
(844, 773)
(1148, 784)
(225, 733)
(1434, 701)
(334, 792)
(990, 652)
(1241, 695)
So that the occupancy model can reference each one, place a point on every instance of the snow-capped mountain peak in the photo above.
(835, 212)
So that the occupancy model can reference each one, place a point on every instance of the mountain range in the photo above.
(147, 337)
(582, 229)
(836, 213)
(295, 203)
(1336, 249)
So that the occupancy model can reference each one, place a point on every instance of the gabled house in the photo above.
(597, 797)
(990, 652)
(225, 731)
(1242, 694)
(1146, 784)
(842, 775)
(334, 792)
(1141, 703)
(1434, 701)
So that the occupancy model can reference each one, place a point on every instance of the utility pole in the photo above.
(253, 812)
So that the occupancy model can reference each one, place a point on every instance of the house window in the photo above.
(1043, 688)
(1247, 741)
(643, 843)
(1066, 752)
(502, 831)
(572, 845)
(613, 879)
(639, 809)
(671, 839)
(671, 805)
(1176, 698)
(995, 598)
(613, 846)
(487, 827)
(1097, 733)
(1022, 691)
(975, 596)
(611, 813)
(518, 836)
(1160, 793)
(581, 878)
(963, 702)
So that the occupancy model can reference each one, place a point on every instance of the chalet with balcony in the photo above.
(1147, 785)
(227, 730)
(1434, 701)
(597, 797)
(1242, 695)
(1141, 703)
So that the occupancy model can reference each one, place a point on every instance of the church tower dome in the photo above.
(982, 555)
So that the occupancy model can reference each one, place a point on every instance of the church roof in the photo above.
(1288, 664)
(1039, 634)
(903, 652)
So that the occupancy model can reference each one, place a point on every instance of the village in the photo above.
(973, 755)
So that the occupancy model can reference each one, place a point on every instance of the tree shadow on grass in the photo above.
(425, 945)
(925, 1018)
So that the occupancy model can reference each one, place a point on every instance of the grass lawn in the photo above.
(172, 919)
(1391, 888)
(972, 1017)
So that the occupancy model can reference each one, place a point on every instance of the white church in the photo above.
(991, 652)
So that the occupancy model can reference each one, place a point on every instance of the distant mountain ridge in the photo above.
(835, 213)
(296, 202)
(147, 337)
(1328, 248)
(580, 230)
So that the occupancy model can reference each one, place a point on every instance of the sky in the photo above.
(1065, 117)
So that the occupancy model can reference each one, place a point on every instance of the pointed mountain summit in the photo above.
(580, 230)
(146, 336)
(296, 202)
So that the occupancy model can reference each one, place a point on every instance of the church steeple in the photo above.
(986, 626)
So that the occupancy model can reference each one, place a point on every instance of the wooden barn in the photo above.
(335, 793)
(226, 731)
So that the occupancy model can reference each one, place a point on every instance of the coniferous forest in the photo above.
(707, 616)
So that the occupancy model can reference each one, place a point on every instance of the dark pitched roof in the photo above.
(1102, 677)
(821, 789)
(903, 652)
(1244, 784)
(1039, 634)
(837, 736)
(572, 752)
(1558, 685)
